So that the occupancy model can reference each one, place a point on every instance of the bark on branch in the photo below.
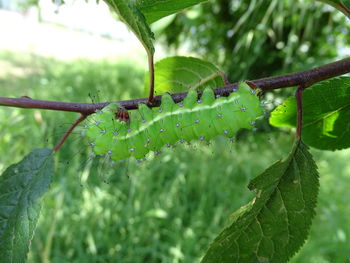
(305, 78)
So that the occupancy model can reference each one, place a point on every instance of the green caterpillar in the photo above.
(192, 119)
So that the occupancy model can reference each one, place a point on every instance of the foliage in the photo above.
(167, 209)
(341, 5)
(272, 227)
(253, 39)
(178, 74)
(21, 187)
(130, 15)
(326, 114)
(154, 10)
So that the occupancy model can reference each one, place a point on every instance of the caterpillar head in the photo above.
(122, 114)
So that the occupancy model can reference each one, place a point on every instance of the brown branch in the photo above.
(65, 136)
(305, 78)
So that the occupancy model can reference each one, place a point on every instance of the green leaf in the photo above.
(21, 187)
(157, 9)
(326, 114)
(275, 224)
(178, 74)
(131, 15)
(342, 5)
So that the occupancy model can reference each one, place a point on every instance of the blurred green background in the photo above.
(169, 208)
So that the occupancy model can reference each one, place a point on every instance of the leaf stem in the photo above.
(151, 78)
(66, 135)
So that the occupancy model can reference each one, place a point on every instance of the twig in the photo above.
(65, 136)
(304, 78)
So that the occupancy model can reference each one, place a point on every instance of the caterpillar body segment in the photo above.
(192, 119)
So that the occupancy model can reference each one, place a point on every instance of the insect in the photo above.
(192, 119)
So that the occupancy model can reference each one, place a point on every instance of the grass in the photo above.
(167, 209)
